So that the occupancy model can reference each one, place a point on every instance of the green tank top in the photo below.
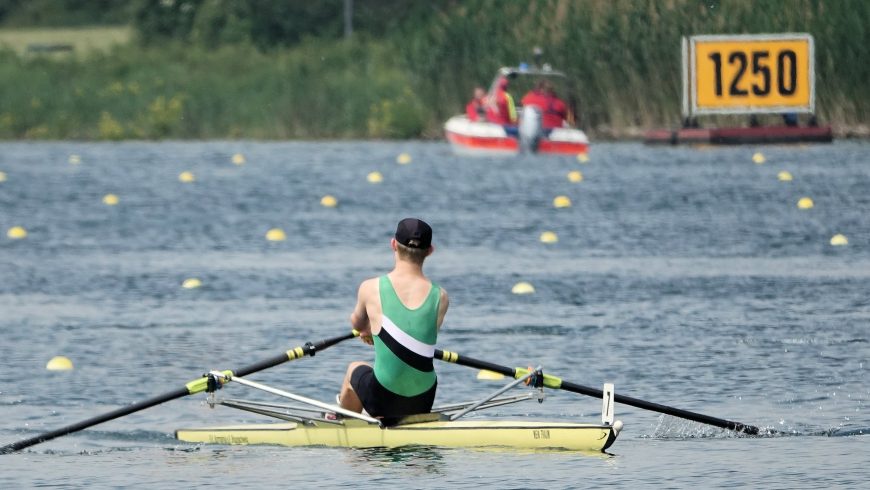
(405, 345)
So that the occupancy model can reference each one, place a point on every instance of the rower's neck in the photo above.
(406, 268)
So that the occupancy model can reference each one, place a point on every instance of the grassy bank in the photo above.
(82, 41)
(316, 91)
(623, 55)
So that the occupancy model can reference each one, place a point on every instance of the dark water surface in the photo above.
(685, 276)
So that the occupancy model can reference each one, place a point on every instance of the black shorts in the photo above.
(381, 402)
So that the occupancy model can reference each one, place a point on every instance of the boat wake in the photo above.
(675, 428)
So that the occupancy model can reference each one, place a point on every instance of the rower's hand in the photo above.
(367, 338)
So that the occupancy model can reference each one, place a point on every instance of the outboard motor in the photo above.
(531, 129)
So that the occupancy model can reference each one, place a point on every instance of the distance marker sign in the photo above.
(751, 74)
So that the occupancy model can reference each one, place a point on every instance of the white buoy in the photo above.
(583, 157)
(74, 159)
(784, 176)
(239, 159)
(2, 176)
(758, 158)
(575, 176)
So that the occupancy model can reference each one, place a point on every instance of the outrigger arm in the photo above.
(224, 378)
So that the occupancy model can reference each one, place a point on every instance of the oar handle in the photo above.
(557, 383)
(196, 386)
(309, 349)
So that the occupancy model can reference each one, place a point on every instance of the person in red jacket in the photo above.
(501, 108)
(544, 98)
(476, 109)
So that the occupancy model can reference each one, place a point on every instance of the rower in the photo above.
(399, 313)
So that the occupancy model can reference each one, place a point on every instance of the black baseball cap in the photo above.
(414, 233)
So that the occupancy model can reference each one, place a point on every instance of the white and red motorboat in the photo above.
(486, 138)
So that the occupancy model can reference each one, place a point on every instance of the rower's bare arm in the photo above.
(359, 318)
(442, 307)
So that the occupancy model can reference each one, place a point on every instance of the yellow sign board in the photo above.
(751, 74)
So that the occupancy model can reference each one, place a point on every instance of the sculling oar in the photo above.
(196, 386)
(557, 383)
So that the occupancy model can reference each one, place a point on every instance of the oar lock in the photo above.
(310, 348)
(536, 380)
(214, 381)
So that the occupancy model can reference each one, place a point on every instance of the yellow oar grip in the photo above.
(449, 356)
(549, 381)
(201, 384)
(296, 353)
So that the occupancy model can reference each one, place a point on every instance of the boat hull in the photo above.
(360, 434)
(480, 138)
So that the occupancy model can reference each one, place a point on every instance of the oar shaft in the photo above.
(657, 407)
(120, 412)
(554, 382)
(195, 386)
(305, 350)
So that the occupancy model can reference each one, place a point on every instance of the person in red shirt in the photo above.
(476, 109)
(501, 109)
(543, 97)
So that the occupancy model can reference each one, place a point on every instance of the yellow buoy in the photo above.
(489, 375)
(583, 157)
(186, 177)
(375, 177)
(75, 159)
(16, 233)
(191, 283)
(562, 202)
(575, 176)
(110, 199)
(2, 177)
(549, 237)
(758, 158)
(805, 203)
(838, 240)
(328, 201)
(239, 159)
(523, 288)
(403, 159)
(59, 363)
(276, 235)
(784, 176)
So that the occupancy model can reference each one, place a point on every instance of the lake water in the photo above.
(685, 276)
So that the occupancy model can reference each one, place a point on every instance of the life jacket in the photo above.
(475, 110)
(502, 109)
(552, 109)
